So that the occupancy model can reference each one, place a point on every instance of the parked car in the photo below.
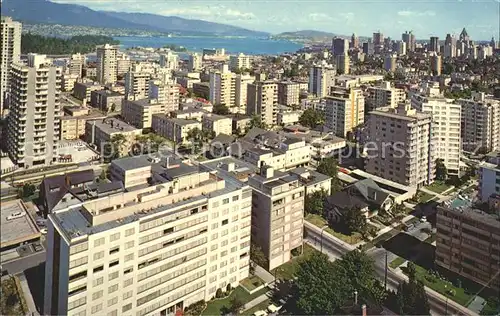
(423, 219)
(15, 215)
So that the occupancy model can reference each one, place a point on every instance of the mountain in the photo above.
(306, 34)
(177, 24)
(44, 11)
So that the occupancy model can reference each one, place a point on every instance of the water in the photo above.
(247, 45)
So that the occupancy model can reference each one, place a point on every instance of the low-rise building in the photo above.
(106, 100)
(139, 113)
(82, 90)
(68, 81)
(489, 180)
(289, 154)
(189, 114)
(217, 124)
(241, 123)
(73, 121)
(202, 89)
(329, 146)
(285, 118)
(101, 132)
(174, 129)
(312, 180)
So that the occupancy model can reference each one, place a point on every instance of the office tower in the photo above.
(409, 39)
(384, 95)
(450, 40)
(106, 63)
(446, 118)
(345, 111)
(493, 43)
(489, 180)
(11, 53)
(378, 39)
(123, 64)
(449, 51)
(480, 123)
(223, 87)
(343, 64)
(390, 63)
(76, 64)
(277, 214)
(400, 48)
(34, 119)
(401, 146)
(288, 93)
(137, 84)
(242, 81)
(165, 93)
(321, 79)
(464, 36)
(368, 48)
(151, 250)
(436, 64)
(239, 62)
(340, 46)
(262, 100)
(354, 41)
(434, 44)
(467, 244)
(169, 60)
(194, 62)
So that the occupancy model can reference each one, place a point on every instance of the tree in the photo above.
(328, 166)
(115, 148)
(441, 171)
(314, 202)
(28, 190)
(311, 118)
(220, 109)
(411, 298)
(354, 220)
(256, 121)
(236, 304)
(218, 293)
(257, 255)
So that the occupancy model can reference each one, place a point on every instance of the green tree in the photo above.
(236, 304)
(59, 46)
(311, 118)
(354, 220)
(220, 109)
(411, 297)
(256, 121)
(115, 148)
(28, 190)
(328, 166)
(441, 171)
(314, 202)
(257, 255)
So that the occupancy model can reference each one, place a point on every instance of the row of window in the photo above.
(171, 230)
(171, 264)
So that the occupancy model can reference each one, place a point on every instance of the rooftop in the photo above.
(131, 163)
(16, 230)
(113, 125)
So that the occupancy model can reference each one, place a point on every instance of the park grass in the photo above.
(438, 187)
(252, 282)
(12, 300)
(396, 262)
(288, 270)
(216, 306)
(321, 222)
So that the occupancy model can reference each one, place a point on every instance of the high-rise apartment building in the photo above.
(223, 87)
(76, 64)
(446, 119)
(242, 81)
(239, 62)
(106, 63)
(449, 51)
(400, 146)
(169, 60)
(33, 125)
(433, 44)
(11, 53)
(340, 46)
(262, 100)
(344, 111)
(468, 243)
(137, 85)
(400, 48)
(480, 123)
(384, 95)
(436, 64)
(390, 63)
(321, 79)
(165, 93)
(123, 64)
(194, 62)
(152, 250)
(343, 64)
(489, 180)
(288, 93)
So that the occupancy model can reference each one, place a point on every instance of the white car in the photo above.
(260, 313)
(15, 215)
(43, 231)
(423, 219)
(273, 308)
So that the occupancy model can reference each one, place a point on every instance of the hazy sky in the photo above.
(391, 17)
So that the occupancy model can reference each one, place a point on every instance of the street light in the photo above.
(321, 236)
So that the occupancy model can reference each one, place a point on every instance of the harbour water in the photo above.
(232, 45)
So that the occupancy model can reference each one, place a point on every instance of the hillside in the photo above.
(306, 34)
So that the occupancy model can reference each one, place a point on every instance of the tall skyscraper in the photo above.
(436, 64)
(242, 81)
(340, 46)
(390, 63)
(76, 64)
(194, 62)
(409, 39)
(11, 53)
(464, 36)
(239, 62)
(344, 111)
(450, 40)
(107, 63)
(354, 41)
(434, 44)
(169, 60)
(378, 38)
(262, 100)
(343, 64)
(400, 48)
(34, 121)
(321, 79)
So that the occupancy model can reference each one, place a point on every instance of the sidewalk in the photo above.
(265, 275)
(27, 294)
(256, 301)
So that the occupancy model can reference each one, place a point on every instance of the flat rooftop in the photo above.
(17, 230)
(113, 125)
(131, 163)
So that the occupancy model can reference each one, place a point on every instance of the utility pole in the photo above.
(385, 276)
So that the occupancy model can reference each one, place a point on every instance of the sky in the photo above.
(363, 17)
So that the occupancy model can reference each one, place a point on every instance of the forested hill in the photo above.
(31, 43)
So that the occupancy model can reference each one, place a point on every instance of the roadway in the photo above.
(335, 248)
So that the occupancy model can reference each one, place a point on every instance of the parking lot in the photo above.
(75, 151)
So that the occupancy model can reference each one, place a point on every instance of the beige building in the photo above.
(169, 60)
(288, 93)
(137, 85)
(468, 243)
(76, 64)
(68, 82)
(489, 180)
(195, 62)
(241, 89)
(83, 90)
(384, 95)
(277, 214)
(321, 80)
(291, 153)
(106, 63)
(480, 123)
(73, 121)
(223, 88)
(165, 93)
(11, 54)
(390, 63)
(400, 146)
(345, 111)
(139, 113)
(239, 62)
(33, 123)
(189, 114)
(150, 251)
(174, 129)
(343, 64)
(101, 132)
(262, 100)
(107, 100)
(436, 64)
(217, 124)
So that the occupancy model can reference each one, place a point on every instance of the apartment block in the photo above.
(154, 250)
(174, 129)
(343, 64)
(384, 95)
(321, 80)
(400, 146)
(340, 46)
(164, 93)
(390, 63)
(83, 90)
(106, 63)
(169, 60)
(76, 63)
(189, 114)
(107, 100)
(468, 243)
(262, 100)
(194, 62)
(285, 118)
(202, 89)
(290, 153)
(217, 124)
(345, 111)
(139, 113)
(73, 121)
(137, 85)
(11, 54)
(480, 123)
(239, 62)
(288, 93)
(33, 124)
(223, 87)
(489, 180)
(436, 64)
(100, 132)
(68, 82)
(277, 214)
(241, 89)
(123, 64)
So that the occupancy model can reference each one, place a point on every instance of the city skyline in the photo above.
(423, 17)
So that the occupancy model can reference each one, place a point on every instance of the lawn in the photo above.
(320, 222)
(288, 270)
(216, 306)
(12, 299)
(396, 262)
(252, 282)
(259, 307)
(438, 187)
(423, 197)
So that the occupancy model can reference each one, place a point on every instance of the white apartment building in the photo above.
(288, 93)
(164, 93)
(123, 64)
(240, 96)
(344, 111)
(139, 113)
(321, 80)
(33, 124)
(137, 85)
(11, 53)
(150, 251)
(291, 153)
(106, 63)
(480, 123)
(169, 61)
(400, 146)
(446, 126)
(384, 95)
(68, 82)
(174, 129)
(262, 100)
(238, 62)
(489, 180)
(194, 62)
(75, 64)
(217, 124)
(223, 88)
(400, 48)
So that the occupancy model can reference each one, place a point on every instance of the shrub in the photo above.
(228, 288)
(219, 293)
(195, 309)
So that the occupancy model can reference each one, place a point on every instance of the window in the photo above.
(215, 204)
(213, 247)
(97, 295)
(114, 263)
(112, 301)
(79, 248)
(215, 225)
(128, 282)
(78, 262)
(113, 275)
(224, 243)
(225, 222)
(113, 288)
(129, 244)
(114, 237)
(77, 290)
(224, 253)
(129, 257)
(96, 308)
(98, 281)
(129, 232)
(127, 307)
(128, 270)
(77, 303)
(225, 201)
(99, 242)
(114, 250)
(98, 269)
(98, 255)
(127, 295)
(236, 198)
(113, 313)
